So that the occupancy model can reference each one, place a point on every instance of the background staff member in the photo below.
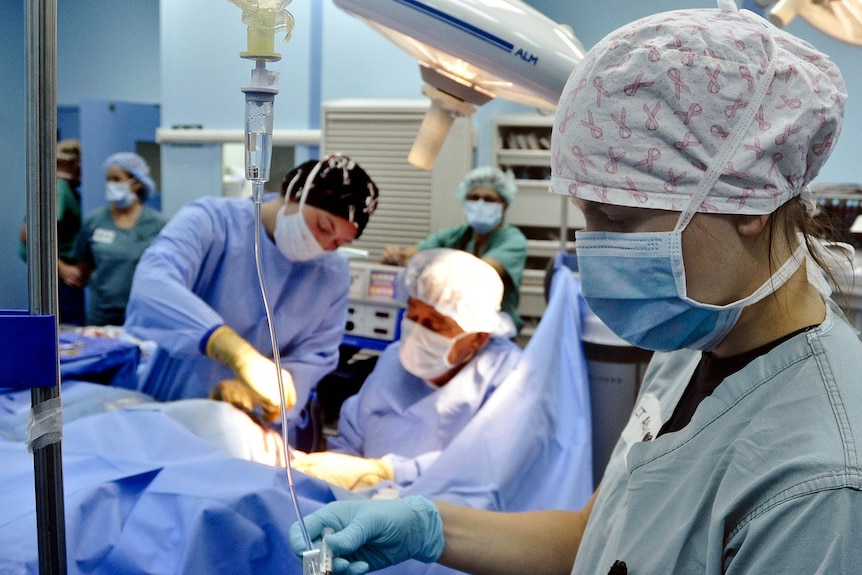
(114, 237)
(70, 287)
(486, 193)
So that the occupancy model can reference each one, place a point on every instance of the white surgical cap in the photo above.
(460, 286)
(717, 99)
(135, 166)
(488, 177)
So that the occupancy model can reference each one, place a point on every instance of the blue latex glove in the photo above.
(371, 535)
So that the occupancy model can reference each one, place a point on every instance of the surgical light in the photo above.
(471, 51)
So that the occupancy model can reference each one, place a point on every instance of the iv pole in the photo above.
(40, 23)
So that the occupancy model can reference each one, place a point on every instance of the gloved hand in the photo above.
(252, 369)
(243, 397)
(371, 535)
(344, 470)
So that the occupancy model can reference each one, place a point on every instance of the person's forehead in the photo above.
(484, 191)
(421, 309)
(341, 225)
(117, 172)
(419, 306)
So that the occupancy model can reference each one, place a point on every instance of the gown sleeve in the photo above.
(162, 305)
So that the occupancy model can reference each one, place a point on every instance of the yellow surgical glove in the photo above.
(344, 470)
(252, 370)
(243, 397)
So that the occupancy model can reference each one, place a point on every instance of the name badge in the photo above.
(103, 236)
(645, 421)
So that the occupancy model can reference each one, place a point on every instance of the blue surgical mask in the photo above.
(120, 194)
(635, 283)
(483, 216)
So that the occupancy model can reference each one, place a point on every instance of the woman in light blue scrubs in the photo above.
(688, 139)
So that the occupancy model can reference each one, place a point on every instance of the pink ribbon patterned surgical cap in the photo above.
(713, 107)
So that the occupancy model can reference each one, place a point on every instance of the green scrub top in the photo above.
(68, 222)
(114, 254)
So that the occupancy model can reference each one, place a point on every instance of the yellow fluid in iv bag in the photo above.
(261, 36)
(261, 45)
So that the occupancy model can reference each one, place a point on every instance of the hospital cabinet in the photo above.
(842, 205)
(522, 147)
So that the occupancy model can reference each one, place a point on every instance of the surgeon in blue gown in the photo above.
(454, 353)
(196, 290)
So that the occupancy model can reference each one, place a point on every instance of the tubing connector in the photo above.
(264, 18)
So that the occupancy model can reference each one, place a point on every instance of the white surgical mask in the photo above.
(294, 239)
(120, 194)
(292, 235)
(425, 353)
(483, 216)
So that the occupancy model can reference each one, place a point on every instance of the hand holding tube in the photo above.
(371, 535)
(252, 369)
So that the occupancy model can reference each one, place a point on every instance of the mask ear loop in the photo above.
(309, 181)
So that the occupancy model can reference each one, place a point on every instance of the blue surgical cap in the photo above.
(135, 166)
(490, 177)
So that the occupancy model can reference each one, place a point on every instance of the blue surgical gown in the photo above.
(766, 478)
(200, 273)
(427, 419)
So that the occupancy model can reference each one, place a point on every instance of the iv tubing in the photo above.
(277, 360)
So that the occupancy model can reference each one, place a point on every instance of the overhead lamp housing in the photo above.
(470, 51)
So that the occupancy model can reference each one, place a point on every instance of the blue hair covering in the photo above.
(135, 166)
(491, 177)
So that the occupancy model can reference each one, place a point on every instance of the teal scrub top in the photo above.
(114, 253)
(508, 245)
(766, 477)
